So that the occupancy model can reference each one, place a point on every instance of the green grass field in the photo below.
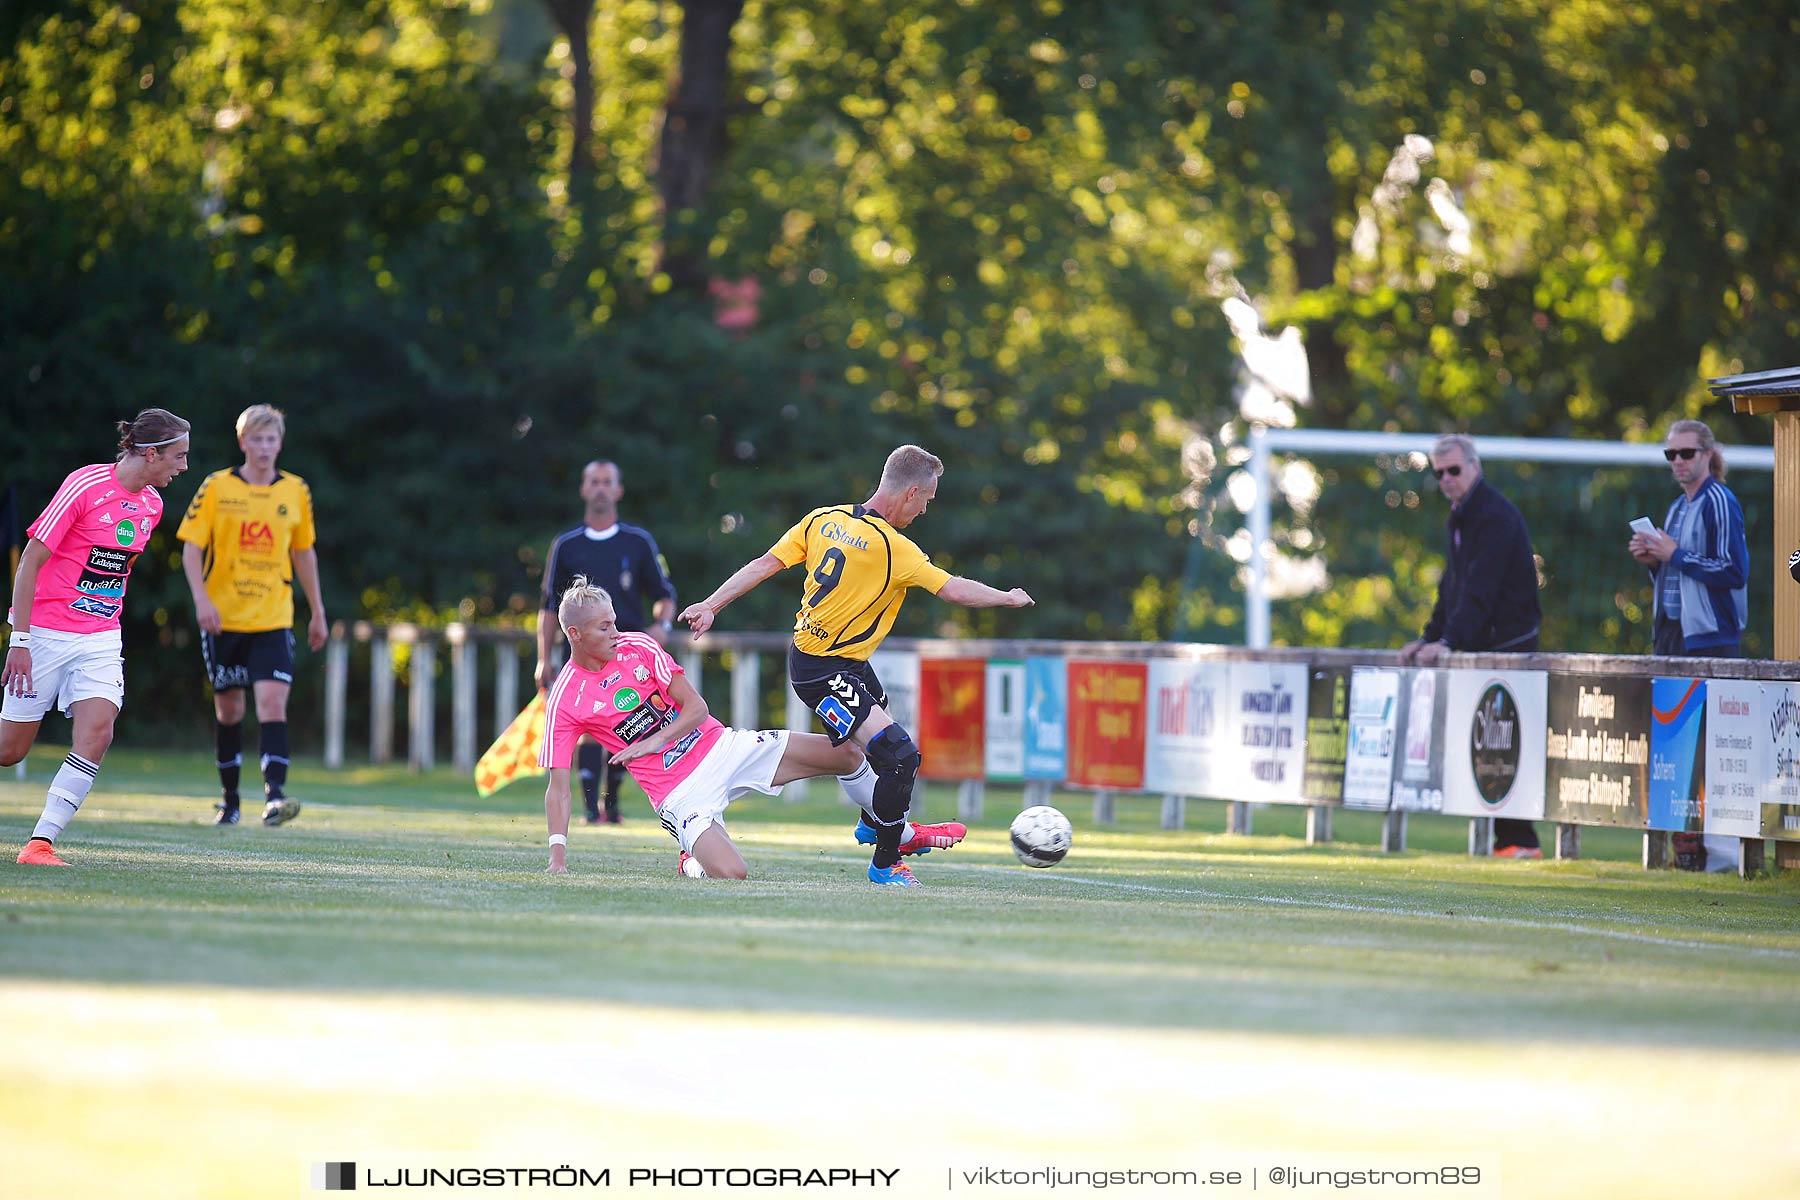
(196, 1011)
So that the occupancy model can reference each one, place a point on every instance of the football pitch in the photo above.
(392, 980)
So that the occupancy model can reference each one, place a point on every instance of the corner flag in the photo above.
(515, 752)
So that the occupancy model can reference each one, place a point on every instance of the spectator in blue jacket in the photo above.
(1699, 558)
(1701, 565)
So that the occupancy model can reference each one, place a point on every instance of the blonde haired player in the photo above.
(625, 691)
(65, 648)
(248, 533)
(858, 568)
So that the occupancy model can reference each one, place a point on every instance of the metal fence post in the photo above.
(1103, 807)
(1318, 824)
(381, 700)
(506, 685)
(1393, 832)
(421, 710)
(1174, 812)
(971, 799)
(1481, 837)
(746, 679)
(337, 688)
(462, 697)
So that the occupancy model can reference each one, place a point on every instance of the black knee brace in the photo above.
(896, 763)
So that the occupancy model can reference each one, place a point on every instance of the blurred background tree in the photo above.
(745, 248)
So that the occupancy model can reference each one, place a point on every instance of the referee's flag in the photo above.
(515, 752)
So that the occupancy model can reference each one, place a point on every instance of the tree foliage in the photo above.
(1003, 231)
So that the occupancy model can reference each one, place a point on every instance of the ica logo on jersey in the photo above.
(255, 535)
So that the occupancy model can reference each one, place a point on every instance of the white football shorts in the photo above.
(66, 667)
(741, 761)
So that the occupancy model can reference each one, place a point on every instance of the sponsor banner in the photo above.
(1677, 765)
(1268, 733)
(1046, 719)
(1327, 734)
(1494, 744)
(1369, 756)
(951, 712)
(1781, 780)
(1106, 724)
(1736, 757)
(1597, 750)
(1188, 741)
(1418, 783)
(1003, 720)
(898, 671)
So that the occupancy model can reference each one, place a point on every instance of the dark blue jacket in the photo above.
(624, 561)
(1488, 596)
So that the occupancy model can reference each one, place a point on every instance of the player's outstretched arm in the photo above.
(972, 593)
(699, 616)
(556, 816)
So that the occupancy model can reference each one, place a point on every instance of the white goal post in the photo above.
(1265, 442)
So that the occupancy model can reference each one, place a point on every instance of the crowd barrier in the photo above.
(1658, 745)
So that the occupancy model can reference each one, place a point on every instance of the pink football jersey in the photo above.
(625, 702)
(94, 529)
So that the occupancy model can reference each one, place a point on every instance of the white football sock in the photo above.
(73, 781)
(859, 785)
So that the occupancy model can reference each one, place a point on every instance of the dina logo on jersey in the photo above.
(627, 699)
(125, 532)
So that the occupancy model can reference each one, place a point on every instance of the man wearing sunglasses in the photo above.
(1488, 594)
(1699, 558)
(1700, 563)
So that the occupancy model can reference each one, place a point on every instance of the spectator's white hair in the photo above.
(1457, 441)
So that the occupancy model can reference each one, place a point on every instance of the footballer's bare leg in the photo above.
(718, 854)
(15, 740)
(91, 737)
(809, 755)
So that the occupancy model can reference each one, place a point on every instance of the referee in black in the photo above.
(624, 560)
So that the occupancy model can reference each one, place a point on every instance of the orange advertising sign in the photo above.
(952, 717)
(1106, 724)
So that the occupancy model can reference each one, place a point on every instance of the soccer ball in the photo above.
(1041, 836)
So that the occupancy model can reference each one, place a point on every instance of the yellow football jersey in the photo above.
(858, 568)
(249, 534)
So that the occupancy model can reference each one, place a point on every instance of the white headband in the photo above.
(154, 445)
